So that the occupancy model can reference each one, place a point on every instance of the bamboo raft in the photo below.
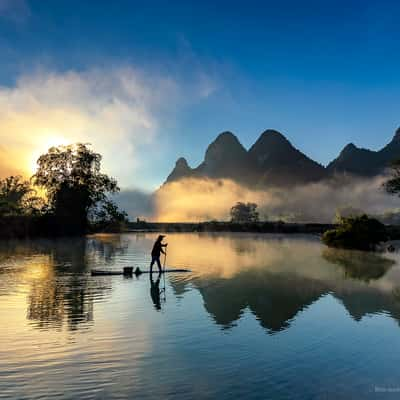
(129, 271)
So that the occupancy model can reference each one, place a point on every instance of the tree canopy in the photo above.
(17, 197)
(244, 213)
(74, 183)
(360, 232)
(392, 185)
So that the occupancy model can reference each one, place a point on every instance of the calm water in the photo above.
(259, 316)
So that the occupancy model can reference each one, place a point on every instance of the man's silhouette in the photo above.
(155, 291)
(156, 253)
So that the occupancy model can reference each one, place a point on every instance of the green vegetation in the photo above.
(244, 213)
(392, 185)
(17, 197)
(75, 196)
(360, 232)
(106, 217)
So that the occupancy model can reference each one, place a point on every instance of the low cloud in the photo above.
(206, 199)
(115, 110)
(119, 110)
(137, 203)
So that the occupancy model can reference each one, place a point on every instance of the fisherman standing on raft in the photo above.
(156, 253)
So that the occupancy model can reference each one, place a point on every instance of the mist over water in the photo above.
(198, 199)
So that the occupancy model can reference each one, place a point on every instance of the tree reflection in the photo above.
(64, 292)
(106, 246)
(61, 292)
(361, 265)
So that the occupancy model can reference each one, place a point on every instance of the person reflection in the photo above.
(155, 291)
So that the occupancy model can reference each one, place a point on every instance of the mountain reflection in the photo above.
(273, 299)
(272, 277)
(277, 278)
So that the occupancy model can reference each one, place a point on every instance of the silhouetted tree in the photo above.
(346, 211)
(107, 216)
(17, 197)
(392, 185)
(74, 183)
(244, 212)
(361, 232)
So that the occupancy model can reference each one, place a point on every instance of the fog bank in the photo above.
(206, 199)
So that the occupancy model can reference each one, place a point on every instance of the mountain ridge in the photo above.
(273, 161)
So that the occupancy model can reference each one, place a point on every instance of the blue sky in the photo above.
(323, 73)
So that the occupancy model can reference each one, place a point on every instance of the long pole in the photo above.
(165, 260)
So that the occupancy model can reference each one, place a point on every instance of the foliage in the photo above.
(360, 232)
(346, 212)
(392, 185)
(107, 217)
(244, 213)
(17, 197)
(74, 183)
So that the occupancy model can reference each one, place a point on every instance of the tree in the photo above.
(244, 213)
(392, 185)
(345, 212)
(107, 217)
(73, 181)
(17, 197)
(361, 232)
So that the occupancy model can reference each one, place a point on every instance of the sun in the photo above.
(44, 144)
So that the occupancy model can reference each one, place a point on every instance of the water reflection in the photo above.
(361, 265)
(272, 310)
(60, 292)
(107, 247)
(273, 299)
(275, 278)
(155, 291)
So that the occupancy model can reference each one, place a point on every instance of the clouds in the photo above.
(137, 203)
(114, 109)
(120, 110)
(206, 199)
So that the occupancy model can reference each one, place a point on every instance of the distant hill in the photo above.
(225, 158)
(273, 161)
(279, 163)
(364, 162)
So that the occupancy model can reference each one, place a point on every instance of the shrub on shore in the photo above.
(360, 232)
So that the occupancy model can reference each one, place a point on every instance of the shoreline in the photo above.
(217, 226)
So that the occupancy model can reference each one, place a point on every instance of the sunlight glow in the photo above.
(44, 144)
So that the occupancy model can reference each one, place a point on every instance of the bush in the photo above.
(244, 213)
(362, 233)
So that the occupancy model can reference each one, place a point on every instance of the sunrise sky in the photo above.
(148, 82)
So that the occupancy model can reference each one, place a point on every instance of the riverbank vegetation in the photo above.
(68, 195)
(362, 232)
(359, 232)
